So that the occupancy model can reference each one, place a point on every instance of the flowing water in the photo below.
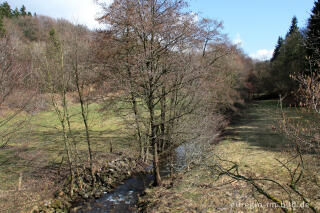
(124, 198)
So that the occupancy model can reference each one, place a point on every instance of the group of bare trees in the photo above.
(64, 66)
(54, 69)
(165, 63)
(176, 74)
(14, 94)
(300, 187)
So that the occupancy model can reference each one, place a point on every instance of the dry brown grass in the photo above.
(255, 147)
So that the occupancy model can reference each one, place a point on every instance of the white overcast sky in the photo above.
(77, 11)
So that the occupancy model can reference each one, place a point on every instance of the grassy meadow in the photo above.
(254, 144)
(35, 153)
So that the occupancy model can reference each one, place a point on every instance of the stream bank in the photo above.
(120, 183)
(249, 140)
(108, 177)
(125, 197)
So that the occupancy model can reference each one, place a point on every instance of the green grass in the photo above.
(253, 144)
(38, 148)
(255, 128)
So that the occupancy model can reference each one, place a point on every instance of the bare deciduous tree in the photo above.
(152, 50)
(56, 81)
(12, 77)
(82, 69)
(302, 154)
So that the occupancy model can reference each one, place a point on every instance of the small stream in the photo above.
(124, 198)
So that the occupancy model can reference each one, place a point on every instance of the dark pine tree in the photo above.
(277, 49)
(15, 13)
(23, 11)
(294, 27)
(288, 60)
(2, 29)
(313, 35)
(5, 10)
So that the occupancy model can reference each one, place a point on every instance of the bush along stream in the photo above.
(119, 184)
(125, 197)
(110, 178)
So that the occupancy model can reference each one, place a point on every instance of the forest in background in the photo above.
(168, 77)
(156, 74)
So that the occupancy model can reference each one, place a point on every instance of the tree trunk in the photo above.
(135, 111)
(163, 119)
(156, 170)
(146, 152)
(153, 141)
(89, 146)
(84, 113)
(66, 144)
(20, 181)
(65, 139)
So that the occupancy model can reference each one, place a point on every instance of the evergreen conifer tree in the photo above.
(2, 30)
(5, 10)
(288, 60)
(294, 26)
(23, 11)
(277, 49)
(15, 13)
(313, 34)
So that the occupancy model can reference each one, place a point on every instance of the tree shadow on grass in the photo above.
(257, 127)
(51, 140)
(43, 150)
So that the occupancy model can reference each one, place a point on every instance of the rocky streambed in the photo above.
(120, 182)
(114, 173)
(125, 197)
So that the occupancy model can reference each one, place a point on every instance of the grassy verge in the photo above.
(35, 154)
(255, 146)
